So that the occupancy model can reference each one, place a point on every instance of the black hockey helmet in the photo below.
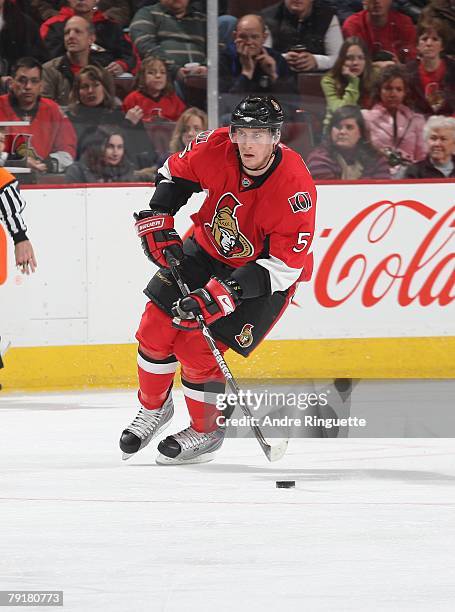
(258, 112)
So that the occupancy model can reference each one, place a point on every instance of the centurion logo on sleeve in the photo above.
(300, 202)
(245, 337)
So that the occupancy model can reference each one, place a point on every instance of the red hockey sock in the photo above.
(201, 400)
(155, 379)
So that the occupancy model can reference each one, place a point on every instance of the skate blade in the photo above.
(205, 458)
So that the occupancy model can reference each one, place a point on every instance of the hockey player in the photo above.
(249, 247)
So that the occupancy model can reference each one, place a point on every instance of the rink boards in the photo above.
(380, 303)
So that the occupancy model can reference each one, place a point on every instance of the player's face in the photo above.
(114, 150)
(430, 45)
(255, 146)
(192, 128)
(392, 93)
(155, 78)
(91, 92)
(355, 60)
(26, 86)
(346, 134)
(441, 145)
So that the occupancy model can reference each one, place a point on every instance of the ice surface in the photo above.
(369, 526)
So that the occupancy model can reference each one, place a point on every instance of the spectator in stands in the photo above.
(190, 124)
(248, 66)
(439, 136)
(49, 142)
(395, 129)
(444, 10)
(307, 32)
(351, 79)
(111, 42)
(154, 97)
(174, 31)
(19, 36)
(103, 161)
(92, 103)
(389, 35)
(346, 152)
(117, 10)
(58, 73)
(432, 79)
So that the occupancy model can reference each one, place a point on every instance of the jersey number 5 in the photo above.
(302, 240)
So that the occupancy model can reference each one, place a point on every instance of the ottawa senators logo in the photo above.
(22, 146)
(224, 229)
(300, 202)
(245, 338)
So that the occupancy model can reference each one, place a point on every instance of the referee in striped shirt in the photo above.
(11, 207)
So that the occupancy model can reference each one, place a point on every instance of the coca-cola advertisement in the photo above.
(384, 264)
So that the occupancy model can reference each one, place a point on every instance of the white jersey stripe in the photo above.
(11, 206)
(156, 368)
(200, 396)
(281, 275)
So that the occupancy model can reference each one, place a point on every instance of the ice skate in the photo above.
(146, 426)
(190, 446)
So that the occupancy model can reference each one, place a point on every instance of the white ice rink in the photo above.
(369, 526)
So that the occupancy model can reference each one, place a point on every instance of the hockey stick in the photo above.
(273, 453)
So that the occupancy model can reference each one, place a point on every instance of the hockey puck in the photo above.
(285, 484)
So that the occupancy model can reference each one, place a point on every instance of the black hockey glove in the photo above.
(157, 233)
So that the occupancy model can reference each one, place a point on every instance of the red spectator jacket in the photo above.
(49, 130)
(399, 33)
(168, 107)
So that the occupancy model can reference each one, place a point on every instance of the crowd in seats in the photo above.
(192, 121)
(50, 142)
(346, 151)
(395, 129)
(154, 97)
(104, 160)
(113, 47)
(439, 135)
(125, 82)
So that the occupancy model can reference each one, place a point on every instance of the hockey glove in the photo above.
(157, 233)
(217, 299)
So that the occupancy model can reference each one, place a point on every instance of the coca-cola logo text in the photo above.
(426, 275)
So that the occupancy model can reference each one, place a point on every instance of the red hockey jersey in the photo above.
(49, 131)
(267, 219)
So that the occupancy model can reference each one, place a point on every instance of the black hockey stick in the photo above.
(273, 453)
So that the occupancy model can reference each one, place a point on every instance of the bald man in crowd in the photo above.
(248, 66)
